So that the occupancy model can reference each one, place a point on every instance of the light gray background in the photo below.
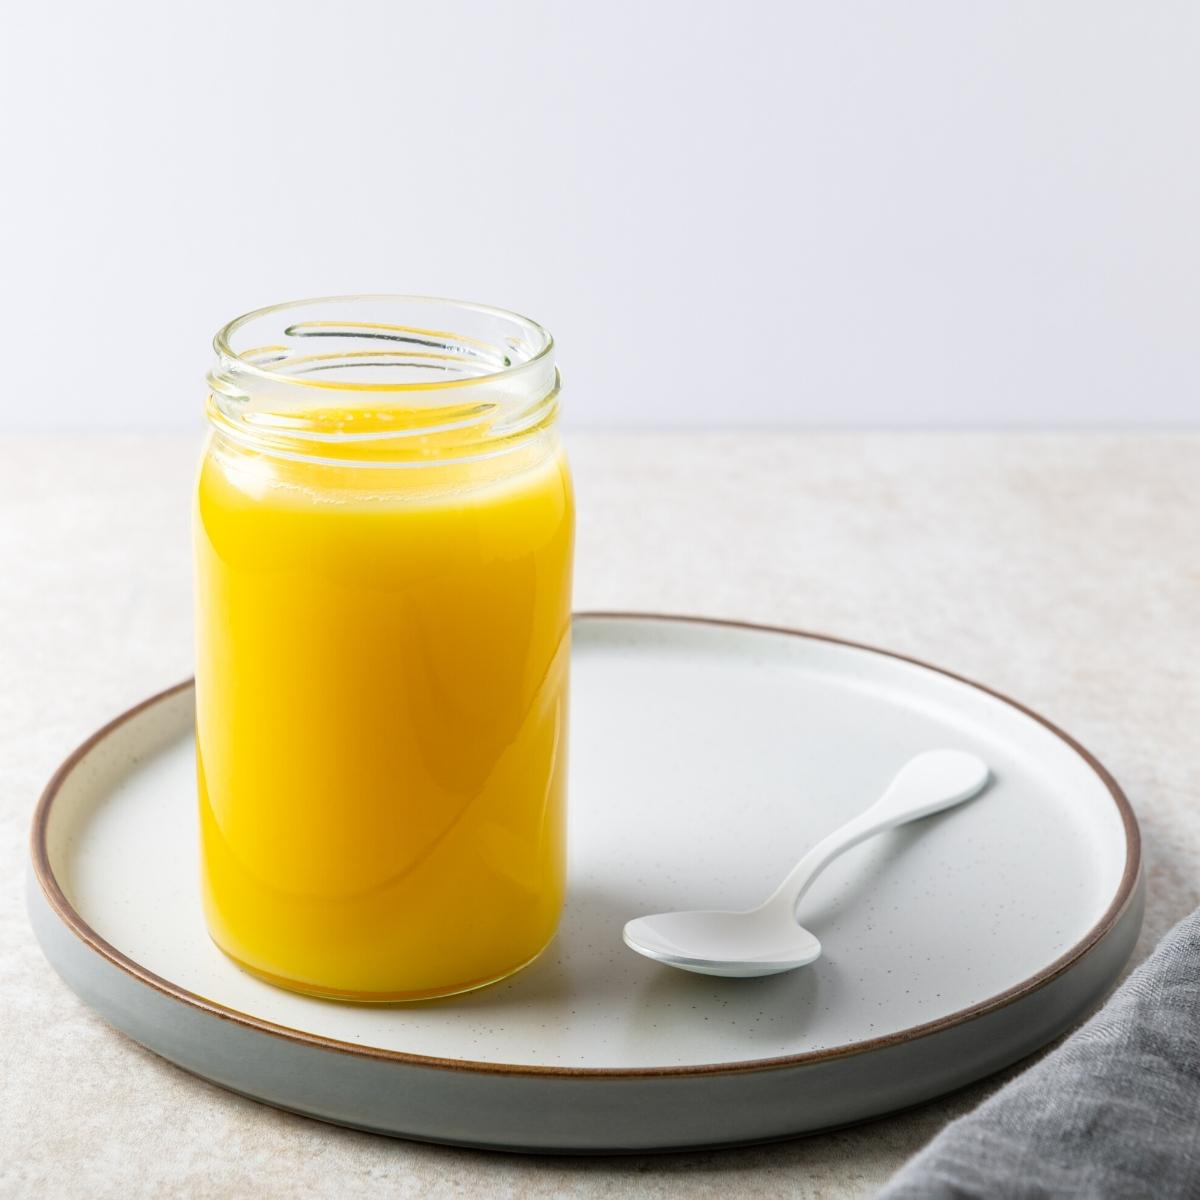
(730, 214)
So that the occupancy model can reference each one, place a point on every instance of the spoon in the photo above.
(767, 940)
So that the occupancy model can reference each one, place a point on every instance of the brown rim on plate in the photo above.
(1125, 890)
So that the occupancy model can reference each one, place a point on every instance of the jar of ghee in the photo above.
(384, 530)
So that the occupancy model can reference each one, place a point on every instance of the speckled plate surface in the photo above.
(705, 757)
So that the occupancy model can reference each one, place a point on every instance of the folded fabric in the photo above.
(1113, 1111)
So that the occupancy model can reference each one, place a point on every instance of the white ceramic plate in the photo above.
(705, 758)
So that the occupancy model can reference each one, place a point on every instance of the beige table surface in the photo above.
(1062, 569)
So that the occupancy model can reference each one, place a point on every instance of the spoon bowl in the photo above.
(737, 945)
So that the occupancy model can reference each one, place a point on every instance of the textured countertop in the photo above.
(1062, 569)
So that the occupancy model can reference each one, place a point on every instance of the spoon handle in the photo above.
(929, 783)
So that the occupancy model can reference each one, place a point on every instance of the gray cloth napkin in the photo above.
(1113, 1111)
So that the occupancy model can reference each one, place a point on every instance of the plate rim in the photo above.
(66, 912)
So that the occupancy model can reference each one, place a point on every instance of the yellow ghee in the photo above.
(381, 714)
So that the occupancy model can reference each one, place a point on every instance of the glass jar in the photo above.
(384, 530)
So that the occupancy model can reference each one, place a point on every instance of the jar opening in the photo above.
(382, 378)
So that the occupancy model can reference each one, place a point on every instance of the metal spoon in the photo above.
(767, 940)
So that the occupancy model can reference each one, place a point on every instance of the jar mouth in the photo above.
(464, 357)
(382, 378)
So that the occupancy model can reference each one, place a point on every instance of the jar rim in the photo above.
(222, 341)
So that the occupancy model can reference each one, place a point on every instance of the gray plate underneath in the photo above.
(705, 757)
